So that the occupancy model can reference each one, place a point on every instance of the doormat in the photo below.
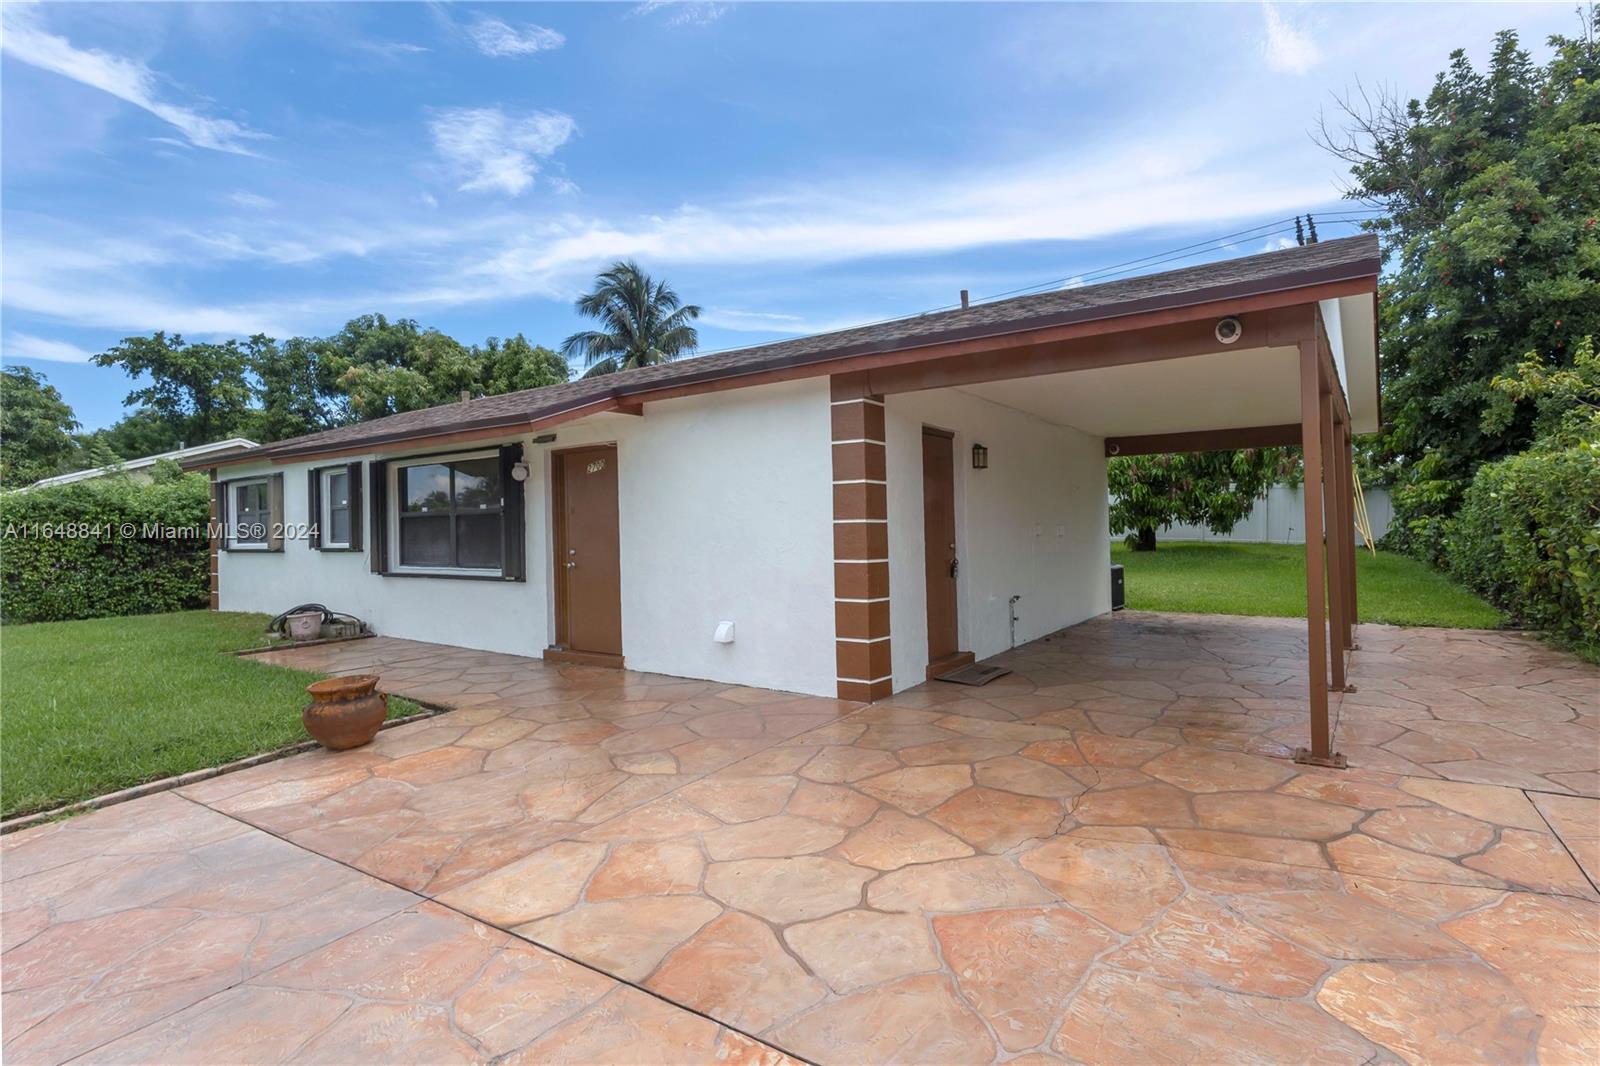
(975, 674)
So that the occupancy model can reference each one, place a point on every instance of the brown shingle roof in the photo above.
(1335, 260)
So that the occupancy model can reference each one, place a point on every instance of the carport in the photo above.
(1265, 351)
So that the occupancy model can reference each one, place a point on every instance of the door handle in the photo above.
(955, 564)
(572, 566)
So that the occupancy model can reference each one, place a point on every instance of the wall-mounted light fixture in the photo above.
(980, 457)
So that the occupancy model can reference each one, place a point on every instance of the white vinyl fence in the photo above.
(1280, 518)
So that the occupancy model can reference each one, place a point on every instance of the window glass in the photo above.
(425, 488)
(450, 514)
(339, 526)
(250, 515)
(339, 489)
(477, 483)
(478, 540)
(425, 541)
(336, 501)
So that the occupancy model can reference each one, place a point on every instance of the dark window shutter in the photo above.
(275, 513)
(314, 509)
(378, 481)
(355, 507)
(223, 488)
(513, 548)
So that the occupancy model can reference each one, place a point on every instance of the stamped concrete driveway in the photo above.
(1104, 857)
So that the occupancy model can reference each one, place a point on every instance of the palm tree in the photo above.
(643, 323)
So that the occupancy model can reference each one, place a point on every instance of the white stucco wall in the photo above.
(726, 514)
(1033, 524)
(502, 616)
(1333, 322)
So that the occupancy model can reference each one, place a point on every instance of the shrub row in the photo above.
(1527, 538)
(92, 549)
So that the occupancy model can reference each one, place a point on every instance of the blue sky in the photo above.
(224, 169)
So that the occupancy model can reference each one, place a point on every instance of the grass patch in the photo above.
(1270, 579)
(93, 706)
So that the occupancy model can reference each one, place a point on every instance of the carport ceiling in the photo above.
(1226, 390)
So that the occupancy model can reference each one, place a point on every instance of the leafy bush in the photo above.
(93, 549)
(1527, 538)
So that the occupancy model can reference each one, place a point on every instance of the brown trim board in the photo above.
(1208, 440)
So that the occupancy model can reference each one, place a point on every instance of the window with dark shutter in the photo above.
(449, 513)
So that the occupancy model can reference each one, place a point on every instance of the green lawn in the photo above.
(1270, 579)
(90, 707)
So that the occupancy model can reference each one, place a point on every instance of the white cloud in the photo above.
(1288, 49)
(1277, 244)
(1050, 198)
(126, 79)
(254, 201)
(496, 37)
(27, 346)
(1074, 282)
(464, 253)
(684, 12)
(390, 49)
(486, 149)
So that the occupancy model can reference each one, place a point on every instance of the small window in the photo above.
(336, 514)
(449, 514)
(252, 514)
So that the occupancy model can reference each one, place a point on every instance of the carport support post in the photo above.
(1311, 414)
(1334, 537)
(1347, 492)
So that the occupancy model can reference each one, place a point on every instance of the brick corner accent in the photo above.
(860, 543)
(216, 543)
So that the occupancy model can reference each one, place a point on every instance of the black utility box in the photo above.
(1116, 587)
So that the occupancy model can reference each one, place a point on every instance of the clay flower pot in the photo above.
(345, 712)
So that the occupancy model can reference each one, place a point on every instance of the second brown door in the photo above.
(939, 540)
(588, 566)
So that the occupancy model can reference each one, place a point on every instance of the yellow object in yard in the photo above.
(1363, 523)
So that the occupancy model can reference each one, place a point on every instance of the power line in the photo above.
(1351, 216)
(1265, 229)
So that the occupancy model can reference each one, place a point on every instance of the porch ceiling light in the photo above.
(980, 457)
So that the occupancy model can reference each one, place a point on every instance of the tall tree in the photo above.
(1490, 192)
(292, 387)
(36, 427)
(1211, 489)
(201, 390)
(642, 322)
(381, 367)
(515, 365)
(133, 436)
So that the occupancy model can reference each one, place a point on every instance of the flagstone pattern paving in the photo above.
(1105, 857)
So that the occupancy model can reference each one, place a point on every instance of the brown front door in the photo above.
(939, 540)
(588, 555)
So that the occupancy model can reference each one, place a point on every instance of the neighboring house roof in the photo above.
(183, 456)
(1345, 259)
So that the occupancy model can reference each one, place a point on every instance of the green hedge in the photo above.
(92, 549)
(1527, 538)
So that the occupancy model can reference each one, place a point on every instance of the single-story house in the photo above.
(142, 469)
(845, 514)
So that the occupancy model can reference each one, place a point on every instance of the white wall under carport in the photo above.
(1280, 518)
(1033, 524)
